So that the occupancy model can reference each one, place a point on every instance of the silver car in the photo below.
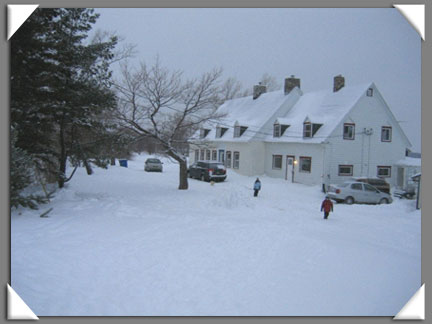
(152, 164)
(357, 192)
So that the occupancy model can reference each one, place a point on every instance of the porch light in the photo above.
(295, 162)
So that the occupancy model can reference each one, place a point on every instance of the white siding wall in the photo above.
(365, 152)
(315, 151)
(251, 156)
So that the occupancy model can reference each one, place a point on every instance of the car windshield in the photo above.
(376, 182)
(216, 166)
(153, 161)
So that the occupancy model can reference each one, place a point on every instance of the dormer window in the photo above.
(239, 130)
(204, 132)
(309, 129)
(278, 129)
(220, 131)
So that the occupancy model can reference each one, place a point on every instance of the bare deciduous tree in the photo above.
(270, 82)
(157, 103)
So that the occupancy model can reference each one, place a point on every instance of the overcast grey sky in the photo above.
(363, 45)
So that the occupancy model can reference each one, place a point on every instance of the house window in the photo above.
(384, 171)
(196, 155)
(369, 92)
(276, 130)
(214, 155)
(345, 170)
(277, 162)
(207, 154)
(348, 131)
(220, 131)
(228, 159)
(236, 162)
(307, 130)
(239, 130)
(386, 134)
(202, 154)
(305, 164)
(310, 129)
(204, 132)
(221, 157)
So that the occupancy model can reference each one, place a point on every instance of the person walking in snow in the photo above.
(257, 187)
(327, 206)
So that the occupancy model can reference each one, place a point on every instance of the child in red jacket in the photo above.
(327, 206)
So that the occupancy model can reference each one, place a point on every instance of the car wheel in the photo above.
(383, 201)
(349, 200)
(202, 177)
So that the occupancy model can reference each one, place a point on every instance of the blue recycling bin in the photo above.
(123, 163)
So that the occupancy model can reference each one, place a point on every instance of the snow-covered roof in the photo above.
(324, 107)
(416, 176)
(409, 161)
(283, 121)
(247, 112)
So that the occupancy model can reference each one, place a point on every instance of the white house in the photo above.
(318, 137)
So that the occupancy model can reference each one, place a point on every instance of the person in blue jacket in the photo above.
(257, 187)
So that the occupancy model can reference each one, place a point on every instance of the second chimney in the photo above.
(338, 83)
(258, 90)
(291, 83)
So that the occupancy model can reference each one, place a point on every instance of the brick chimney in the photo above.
(338, 83)
(291, 83)
(258, 90)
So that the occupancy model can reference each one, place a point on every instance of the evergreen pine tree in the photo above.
(60, 90)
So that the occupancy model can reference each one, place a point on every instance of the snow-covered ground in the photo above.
(128, 242)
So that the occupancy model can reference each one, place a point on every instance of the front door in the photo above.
(221, 156)
(400, 178)
(289, 174)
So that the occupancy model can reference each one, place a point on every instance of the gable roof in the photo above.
(324, 107)
(248, 112)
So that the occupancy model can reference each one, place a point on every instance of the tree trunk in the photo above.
(88, 167)
(183, 179)
(112, 161)
(183, 176)
(62, 160)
